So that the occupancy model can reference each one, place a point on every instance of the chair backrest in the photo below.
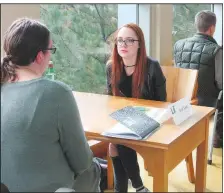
(180, 83)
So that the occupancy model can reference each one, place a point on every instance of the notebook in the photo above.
(135, 122)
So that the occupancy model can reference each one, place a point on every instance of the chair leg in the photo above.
(210, 148)
(110, 173)
(190, 168)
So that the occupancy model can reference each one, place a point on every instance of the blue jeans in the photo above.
(126, 167)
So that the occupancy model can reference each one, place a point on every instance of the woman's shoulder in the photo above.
(152, 61)
(57, 85)
(109, 66)
(152, 65)
(57, 91)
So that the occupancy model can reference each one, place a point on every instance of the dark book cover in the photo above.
(137, 121)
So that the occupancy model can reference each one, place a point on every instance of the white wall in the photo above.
(219, 23)
(11, 12)
(144, 23)
(161, 23)
(127, 13)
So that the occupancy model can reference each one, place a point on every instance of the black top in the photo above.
(126, 86)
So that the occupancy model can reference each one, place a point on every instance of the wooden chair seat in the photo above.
(100, 149)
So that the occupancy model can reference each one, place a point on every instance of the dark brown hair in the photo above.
(117, 65)
(22, 42)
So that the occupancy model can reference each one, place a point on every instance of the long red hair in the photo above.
(117, 64)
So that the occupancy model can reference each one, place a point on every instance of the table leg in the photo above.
(201, 164)
(190, 168)
(155, 161)
(160, 175)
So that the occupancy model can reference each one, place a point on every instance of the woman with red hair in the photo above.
(130, 73)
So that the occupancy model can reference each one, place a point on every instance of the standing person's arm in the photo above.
(219, 68)
(75, 146)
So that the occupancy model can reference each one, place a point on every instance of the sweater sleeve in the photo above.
(75, 146)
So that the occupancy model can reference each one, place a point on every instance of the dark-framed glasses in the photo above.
(127, 42)
(53, 49)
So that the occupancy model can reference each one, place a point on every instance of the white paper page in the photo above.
(158, 114)
(118, 128)
(121, 131)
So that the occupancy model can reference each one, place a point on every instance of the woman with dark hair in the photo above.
(130, 73)
(43, 145)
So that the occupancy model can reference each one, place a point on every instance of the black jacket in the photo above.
(154, 87)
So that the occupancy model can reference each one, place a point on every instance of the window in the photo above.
(183, 19)
(80, 33)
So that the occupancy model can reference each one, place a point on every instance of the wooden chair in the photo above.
(179, 84)
(100, 149)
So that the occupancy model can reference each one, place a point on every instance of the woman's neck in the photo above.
(129, 62)
(26, 74)
(129, 65)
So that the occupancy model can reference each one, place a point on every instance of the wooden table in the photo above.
(162, 151)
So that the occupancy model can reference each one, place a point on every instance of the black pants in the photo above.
(103, 175)
(126, 167)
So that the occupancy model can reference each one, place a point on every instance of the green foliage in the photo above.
(80, 31)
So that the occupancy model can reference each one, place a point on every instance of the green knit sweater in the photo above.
(43, 145)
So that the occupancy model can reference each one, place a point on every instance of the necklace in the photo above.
(128, 66)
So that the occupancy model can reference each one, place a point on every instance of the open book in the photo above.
(136, 122)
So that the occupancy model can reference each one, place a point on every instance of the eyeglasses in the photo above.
(53, 49)
(128, 42)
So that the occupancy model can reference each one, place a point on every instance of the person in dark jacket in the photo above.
(130, 73)
(202, 52)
